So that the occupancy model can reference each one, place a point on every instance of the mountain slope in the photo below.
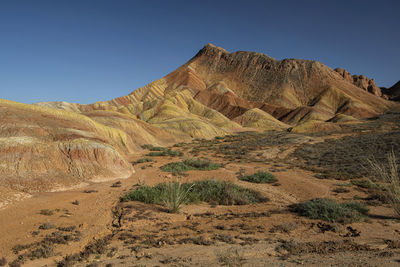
(53, 145)
(234, 83)
(47, 149)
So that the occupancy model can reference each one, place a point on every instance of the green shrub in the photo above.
(172, 195)
(157, 148)
(143, 160)
(340, 190)
(154, 148)
(179, 145)
(260, 177)
(145, 194)
(176, 167)
(224, 193)
(190, 164)
(46, 212)
(364, 183)
(331, 211)
(166, 152)
(202, 164)
(147, 146)
(210, 191)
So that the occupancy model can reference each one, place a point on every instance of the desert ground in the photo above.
(95, 224)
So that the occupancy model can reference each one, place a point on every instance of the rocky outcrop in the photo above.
(360, 81)
(393, 93)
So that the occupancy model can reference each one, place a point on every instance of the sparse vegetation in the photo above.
(157, 148)
(46, 226)
(260, 177)
(389, 173)
(190, 164)
(88, 191)
(284, 228)
(167, 152)
(293, 247)
(331, 211)
(179, 145)
(231, 257)
(97, 247)
(347, 157)
(174, 195)
(211, 191)
(117, 184)
(176, 167)
(147, 146)
(14, 263)
(143, 160)
(46, 212)
(156, 151)
(341, 190)
(67, 228)
(364, 183)
(45, 247)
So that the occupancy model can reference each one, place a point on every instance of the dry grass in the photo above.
(389, 173)
(174, 195)
(231, 257)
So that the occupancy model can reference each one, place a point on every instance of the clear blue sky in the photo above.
(89, 50)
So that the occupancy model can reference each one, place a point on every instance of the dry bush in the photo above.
(389, 173)
(231, 257)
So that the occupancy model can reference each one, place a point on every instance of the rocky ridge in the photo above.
(361, 81)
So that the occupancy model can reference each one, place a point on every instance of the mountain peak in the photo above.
(210, 46)
(212, 53)
(211, 50)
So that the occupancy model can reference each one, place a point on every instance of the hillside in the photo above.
(60, 144)
(208, 94)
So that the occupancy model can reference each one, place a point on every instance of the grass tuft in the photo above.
(389, 173)
(174, 195)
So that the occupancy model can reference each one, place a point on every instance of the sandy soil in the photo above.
(202, 234)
